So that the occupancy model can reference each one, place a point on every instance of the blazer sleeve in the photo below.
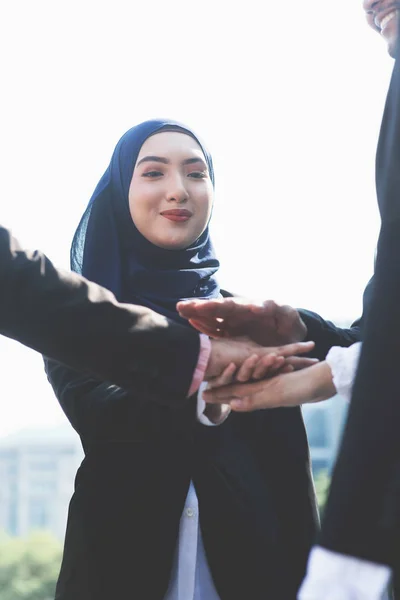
(102, 412)
(363, 509)
(80, 324)
(325, 334)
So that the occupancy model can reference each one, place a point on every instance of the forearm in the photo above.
(80, 324)
(310, 385)
(368, 464)
(325, 334)
(100, 411)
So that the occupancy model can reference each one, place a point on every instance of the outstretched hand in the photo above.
(247, 360)
(268, 323)
(283, 390)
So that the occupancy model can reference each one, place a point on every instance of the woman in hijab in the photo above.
(166, 508)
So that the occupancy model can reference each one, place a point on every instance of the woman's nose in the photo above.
(177, 191)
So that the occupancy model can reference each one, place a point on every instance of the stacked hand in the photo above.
(268, 323)
(242, 360)
(284, 389)
(237, 327)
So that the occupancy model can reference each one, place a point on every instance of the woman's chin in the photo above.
(175, 240)
(175, 243)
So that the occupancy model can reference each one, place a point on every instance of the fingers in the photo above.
(268, 365)
(296, 348)
(220, 395)
(246, 397)
(210, 329)
(246, 368)
(267, 308)
(203, 308)
(218, 308)
(227, 376)
(299, 362)
(287, 368)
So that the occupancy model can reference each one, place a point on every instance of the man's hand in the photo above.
(252, 361)
(291, 389)
(268, 324)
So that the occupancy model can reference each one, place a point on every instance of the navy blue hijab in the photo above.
(107, 247)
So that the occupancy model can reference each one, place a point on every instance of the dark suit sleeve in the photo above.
(101, 411)
(65, 317)
(325, 334)
(363, 510)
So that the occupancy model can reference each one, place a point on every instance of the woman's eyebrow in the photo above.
(159, 159)
(190, 161)
(165, 161)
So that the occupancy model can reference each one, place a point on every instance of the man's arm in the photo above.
(67, 318)
(80, 324)
(269, 323)
(362, 513)
(325, 334)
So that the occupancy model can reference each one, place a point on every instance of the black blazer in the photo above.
(251, 474)
(252, 478)
(363, 510)
(81, 324)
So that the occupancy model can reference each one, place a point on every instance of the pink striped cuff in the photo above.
(199, 372)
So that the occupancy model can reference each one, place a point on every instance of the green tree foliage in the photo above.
(322, 482)
(29, 566)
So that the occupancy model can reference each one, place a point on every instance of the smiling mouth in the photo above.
(177, 215)
(383, 23)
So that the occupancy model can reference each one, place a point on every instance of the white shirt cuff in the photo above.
(343, 363)
(333, 576)
(201, 406)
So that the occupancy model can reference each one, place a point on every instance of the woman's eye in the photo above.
(151, 174)
(198, 175)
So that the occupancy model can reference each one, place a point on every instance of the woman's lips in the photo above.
(177, 215)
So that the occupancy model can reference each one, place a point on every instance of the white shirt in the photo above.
(191, 577)
(333, 576)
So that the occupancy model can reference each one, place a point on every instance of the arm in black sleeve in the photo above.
(325, 334)
(362, 513)
(102, 412)
(65, 317)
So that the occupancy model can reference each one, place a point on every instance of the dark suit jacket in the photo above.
(252, 478)
(81, 324)
(363, 510)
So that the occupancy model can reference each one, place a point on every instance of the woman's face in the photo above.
(171, 193)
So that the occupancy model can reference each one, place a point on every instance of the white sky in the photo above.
(288, 97)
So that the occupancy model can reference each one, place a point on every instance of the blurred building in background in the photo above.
(324, 423)
(37, 470)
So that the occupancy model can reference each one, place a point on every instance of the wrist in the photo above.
(214, 359)
(202, 364)
(321, 386)
(312, 384)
